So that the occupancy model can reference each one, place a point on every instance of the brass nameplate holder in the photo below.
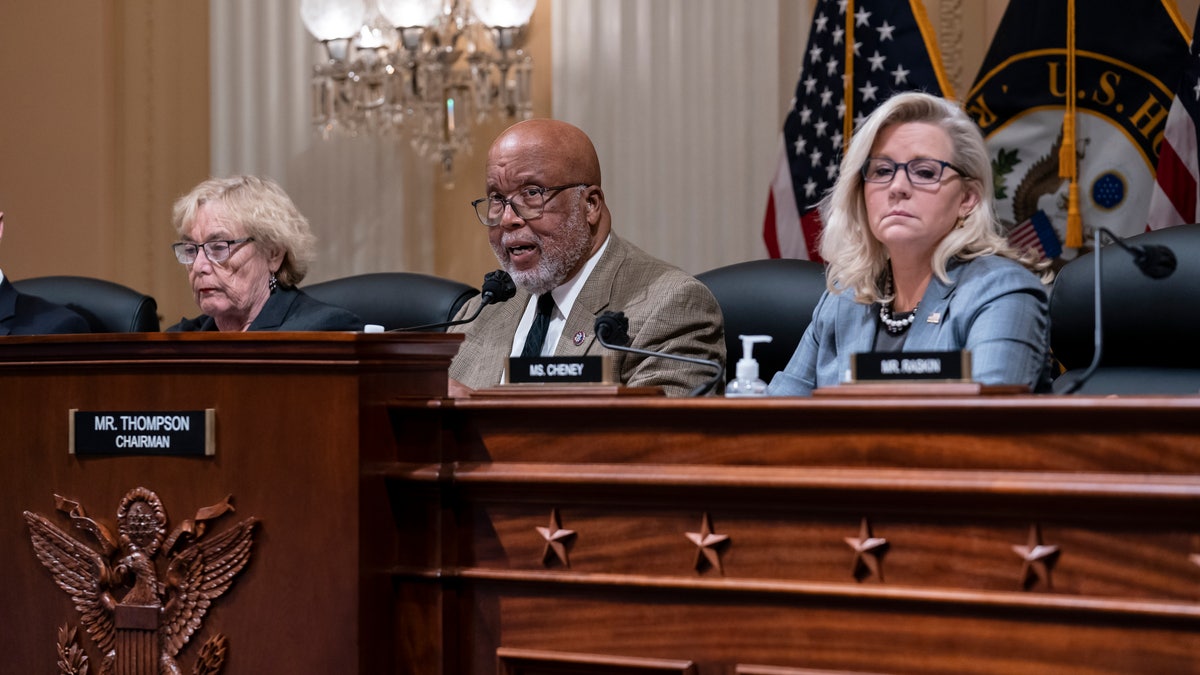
(557, 370)
(915, 374)
(173, 433)
(952, 366)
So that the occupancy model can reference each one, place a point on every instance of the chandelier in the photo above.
(422, 69)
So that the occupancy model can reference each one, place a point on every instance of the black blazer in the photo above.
(22, 314)
(286, 309)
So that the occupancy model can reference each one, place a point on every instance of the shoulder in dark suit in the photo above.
(287, 309)
(22, 314)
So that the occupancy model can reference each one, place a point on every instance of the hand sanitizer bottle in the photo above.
(747, 383)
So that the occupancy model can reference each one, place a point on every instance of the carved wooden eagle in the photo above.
(198, 569)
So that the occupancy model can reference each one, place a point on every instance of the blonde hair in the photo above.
(263, 210)
(856, 259)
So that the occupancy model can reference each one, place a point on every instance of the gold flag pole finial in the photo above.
(1068, 160)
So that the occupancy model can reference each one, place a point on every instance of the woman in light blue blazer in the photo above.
(916, 261)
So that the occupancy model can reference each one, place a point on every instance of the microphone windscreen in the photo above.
(497, 286)
(613, 327)
(612, 330)
(1157, 262)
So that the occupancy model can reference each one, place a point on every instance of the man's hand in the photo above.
(458, 389)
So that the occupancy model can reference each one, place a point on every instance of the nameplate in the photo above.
(555, 369)
(172, 433)
(900, 366)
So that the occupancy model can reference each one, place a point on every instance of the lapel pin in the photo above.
(935, 317)
(579, 338)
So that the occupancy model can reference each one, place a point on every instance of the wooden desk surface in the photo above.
(404, 532)
(293, 413)
(850, 535)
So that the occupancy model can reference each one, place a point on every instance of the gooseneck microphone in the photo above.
(612, 331)
(497, 287)
(1154, 260)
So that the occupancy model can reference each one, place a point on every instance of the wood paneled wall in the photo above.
(104, 123)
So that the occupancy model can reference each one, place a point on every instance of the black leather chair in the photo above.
(1150, 326)
(773, 297)
(108, 307)
(395, 299)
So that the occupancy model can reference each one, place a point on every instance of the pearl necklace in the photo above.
(895, 326)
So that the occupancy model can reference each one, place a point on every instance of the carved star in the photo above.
(1038, 559)
(556, 541)
(708, 546)
(868, 553)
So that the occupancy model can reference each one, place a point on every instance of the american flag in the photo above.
(1173, 200)
(1110, 142)
(887, 46)
(1036, 233)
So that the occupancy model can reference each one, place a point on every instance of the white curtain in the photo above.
(369, 201)
(684, 100)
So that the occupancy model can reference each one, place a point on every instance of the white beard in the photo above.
(560, 255)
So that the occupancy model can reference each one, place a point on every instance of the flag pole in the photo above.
(1068, 159)
(848, 79)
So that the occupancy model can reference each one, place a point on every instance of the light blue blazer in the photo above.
(993, 307)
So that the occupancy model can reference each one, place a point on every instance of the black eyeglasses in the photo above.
(919, 171)
(216, 251)
(528, 203)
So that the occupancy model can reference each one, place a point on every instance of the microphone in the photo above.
(1154, 260)
(612, 331)
(497, 287)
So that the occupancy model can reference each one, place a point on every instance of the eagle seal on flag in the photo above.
(1120, 63)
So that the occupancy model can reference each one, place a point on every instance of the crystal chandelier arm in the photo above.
(423, 68)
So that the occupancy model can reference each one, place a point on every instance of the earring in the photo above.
(272, 283)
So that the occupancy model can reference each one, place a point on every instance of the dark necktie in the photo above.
(541, 323)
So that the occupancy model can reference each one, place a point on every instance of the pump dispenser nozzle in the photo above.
(747, 382)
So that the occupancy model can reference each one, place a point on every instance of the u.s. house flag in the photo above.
(859, 53)
(1174, 200)
(1078, 87)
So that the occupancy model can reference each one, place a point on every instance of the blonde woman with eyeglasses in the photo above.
(916, 260)
(246, 248)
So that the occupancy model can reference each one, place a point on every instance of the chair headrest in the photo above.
(773, 297)
(1146, 322)
(108, 307)
(395, 299)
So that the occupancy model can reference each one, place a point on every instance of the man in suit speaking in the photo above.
(551, 229)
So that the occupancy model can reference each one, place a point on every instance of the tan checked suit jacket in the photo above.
(668, 310)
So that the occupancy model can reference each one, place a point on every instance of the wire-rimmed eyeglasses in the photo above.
(528, 203)
(924, 171)
(217, 251)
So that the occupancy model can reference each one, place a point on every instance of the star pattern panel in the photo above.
(557, 541)
(868, 553)
(1038, 559)
(709, 546)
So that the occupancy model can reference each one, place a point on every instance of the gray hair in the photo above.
(263, 210)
